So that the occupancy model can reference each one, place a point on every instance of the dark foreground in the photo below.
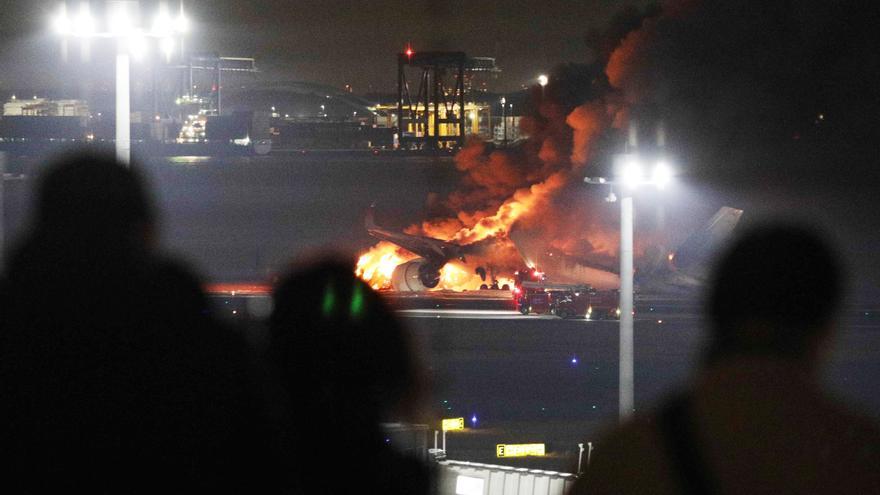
(527, 379)
(538, 379)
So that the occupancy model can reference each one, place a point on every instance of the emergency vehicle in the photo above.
(534, 294)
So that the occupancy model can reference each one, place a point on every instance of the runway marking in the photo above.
(473, 314)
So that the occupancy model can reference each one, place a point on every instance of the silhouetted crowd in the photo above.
(115, 377)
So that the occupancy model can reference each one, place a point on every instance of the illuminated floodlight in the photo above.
(542, 80)
(163, 24)
(84, 23)
(181, 24)
(662, 175)
(61, 23)
(503, 101)
(631, 174)
(119, 23)
(119, 20)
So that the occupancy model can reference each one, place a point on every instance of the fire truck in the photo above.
(534, 294)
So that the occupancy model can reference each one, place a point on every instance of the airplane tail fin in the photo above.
(700, 245)
(687, 266)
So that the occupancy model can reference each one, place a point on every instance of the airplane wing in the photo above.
(436, 251)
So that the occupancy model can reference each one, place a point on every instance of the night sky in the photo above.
(772, 106)
(345, 42)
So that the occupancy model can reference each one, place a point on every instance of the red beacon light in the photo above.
(409, 51)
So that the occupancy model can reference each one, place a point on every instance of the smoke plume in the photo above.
(738, 85)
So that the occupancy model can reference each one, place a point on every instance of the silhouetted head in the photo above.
(88, 196)
(340, 351)
(775, 292)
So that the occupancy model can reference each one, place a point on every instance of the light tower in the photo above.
(123, 24)
(630, 175)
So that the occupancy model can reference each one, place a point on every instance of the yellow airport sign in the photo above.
(519, 449)
(453, 424)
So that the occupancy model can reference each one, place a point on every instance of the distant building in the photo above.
(44, 107)
(477, 115)
(512, 131)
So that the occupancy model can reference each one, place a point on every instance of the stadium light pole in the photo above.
(122, 26)
(2, 213)
(542, 81)
(629, 177)
(504, 118)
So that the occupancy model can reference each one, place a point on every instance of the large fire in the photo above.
(524, 192)
(377, 265)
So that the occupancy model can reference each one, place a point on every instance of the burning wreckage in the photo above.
(432, 261)
(524, 206)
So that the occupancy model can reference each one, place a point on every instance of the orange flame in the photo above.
(500, 190)
(377, 265)
(455, 276)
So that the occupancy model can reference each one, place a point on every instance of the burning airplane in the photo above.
(412, 263)
(416, 274)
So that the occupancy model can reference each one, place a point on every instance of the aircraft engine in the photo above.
(415, 275)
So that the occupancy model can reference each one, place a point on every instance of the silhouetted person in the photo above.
(112, 376)
(756, 420)
(346, 365)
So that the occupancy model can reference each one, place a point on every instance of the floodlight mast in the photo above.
(123, 109)
(122, 26)
(629, 177)
(504, 118)
(542, 81)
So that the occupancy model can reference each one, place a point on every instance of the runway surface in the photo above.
(542, 379)
(471, 314)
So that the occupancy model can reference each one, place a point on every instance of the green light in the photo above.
(357, 302)
(329, 300)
